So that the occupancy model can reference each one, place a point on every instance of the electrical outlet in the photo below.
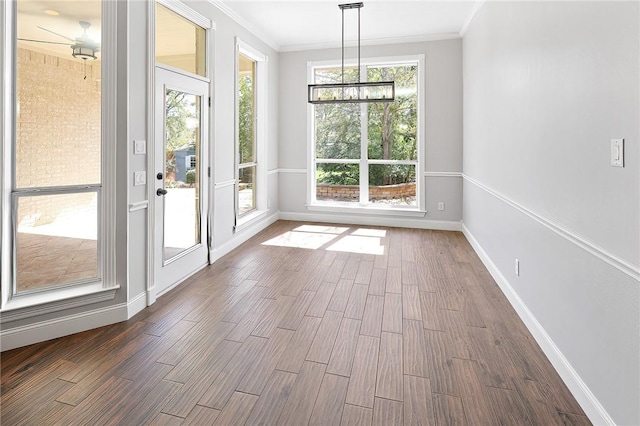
(517, 267)
(441, 206)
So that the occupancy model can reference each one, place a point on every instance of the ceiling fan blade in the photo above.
(59, 35)
(44, 41)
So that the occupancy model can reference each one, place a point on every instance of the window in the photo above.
(58, 178)
(251, 179)
(368, 154)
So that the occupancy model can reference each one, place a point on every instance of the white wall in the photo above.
(546, 86)
(443, 137)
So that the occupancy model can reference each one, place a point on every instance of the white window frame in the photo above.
(19, 306)
(260, 161)
(189, 162)
(364, 162)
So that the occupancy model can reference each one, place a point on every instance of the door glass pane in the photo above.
(58, 95)
(246, 108)
(392, 127)
(182, 172)
(247, 189)
(392, 185)
(56, 240)
(179, 42)
(338, 182)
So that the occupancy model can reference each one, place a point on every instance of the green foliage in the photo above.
(191, 177)
(338, 174)
(181, 112)
(246, 118)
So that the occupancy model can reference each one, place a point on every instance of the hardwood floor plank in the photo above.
(418, 405)
(394, 280)
(147, 408)
(166, 420)
(322, 345)
(414, 348)
(340, 296)
(477, 408)
(195, 385)
(350, 269)
(357, 301)
(321, 300)
(390, 370)
(409, 273)
(362, 386)
(353, 415)
(299, 406)
(297, 349)
(344, 348)
(372, 317)
(224, 385)
(201, 416)
(428, 307)
(448, 410)
(330, 401)
(263, 365)
(392, 313)
(387, 412)
(378, 281)
(411, 303)
(273, 316)
(365, 269)
(507, 406)
(292, 319)
(269, 406)
(237, 409)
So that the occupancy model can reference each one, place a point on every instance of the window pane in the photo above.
(337, 125)
(392, 127)
(58, 122)
(247, 189)
(56, 240)
(392, 184)
(338, 131)
(179, 42)
(182, 172)
(337, 182)
(246, 108)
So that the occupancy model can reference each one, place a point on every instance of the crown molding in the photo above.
(220, 4)
(371, 42)
(472, 15)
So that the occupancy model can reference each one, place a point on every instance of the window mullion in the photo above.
(364, 144)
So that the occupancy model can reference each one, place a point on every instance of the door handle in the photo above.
(160, 192)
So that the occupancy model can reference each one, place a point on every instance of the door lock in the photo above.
(159, 176)
(160, 192)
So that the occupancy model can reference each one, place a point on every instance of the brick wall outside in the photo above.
(352, 192)
(57, 130)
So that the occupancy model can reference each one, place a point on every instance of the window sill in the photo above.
(247, 220)
(368, 210)
(31, 305)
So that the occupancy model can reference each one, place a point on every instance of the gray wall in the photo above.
(443, 137)
(546, 86)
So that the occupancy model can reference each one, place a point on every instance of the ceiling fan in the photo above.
(82, 47)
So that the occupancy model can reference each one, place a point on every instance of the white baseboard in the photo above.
(354, 219)
(587, 400)
(240, 237)
(64, 326)
(137, 304)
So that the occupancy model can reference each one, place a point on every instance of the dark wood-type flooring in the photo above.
(366, 325)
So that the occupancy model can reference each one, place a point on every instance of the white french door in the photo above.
(180, 176)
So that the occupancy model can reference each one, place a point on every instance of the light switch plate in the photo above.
(139, 147)
(617, 152)
(139, 178)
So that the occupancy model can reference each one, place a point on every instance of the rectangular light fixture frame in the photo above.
(331, 93)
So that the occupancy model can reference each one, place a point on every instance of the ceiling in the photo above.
(300, 24)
